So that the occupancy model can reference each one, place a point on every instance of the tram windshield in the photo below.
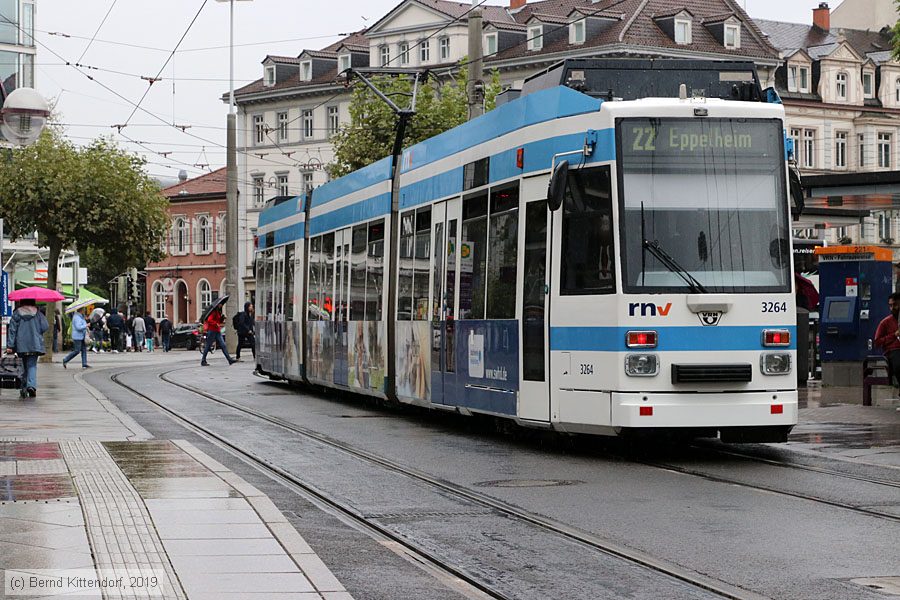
(712, 193)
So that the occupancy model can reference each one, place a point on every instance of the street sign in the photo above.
(5, 306)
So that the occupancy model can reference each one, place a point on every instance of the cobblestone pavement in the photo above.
(90, 503)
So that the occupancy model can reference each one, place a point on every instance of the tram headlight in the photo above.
(641, 365)
(775, 363)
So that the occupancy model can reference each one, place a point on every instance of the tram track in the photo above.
(596, 543)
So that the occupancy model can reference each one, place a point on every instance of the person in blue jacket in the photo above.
(25, 337)
(79, 329)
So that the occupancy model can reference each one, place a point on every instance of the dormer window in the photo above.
(269, 76)
(868, 80)
(682, 31)
(732, 35)
(536, 37)
(841, 88)
(897, 91)
(576, 32)
(306, 71)
(384, 54)
(343, 62)
(798, 78)
(490, 44)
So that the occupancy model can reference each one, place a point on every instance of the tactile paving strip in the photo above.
(120, 530)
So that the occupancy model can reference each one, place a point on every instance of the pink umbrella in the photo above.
(38, 294)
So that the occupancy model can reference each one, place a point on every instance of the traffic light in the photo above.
(133, 280)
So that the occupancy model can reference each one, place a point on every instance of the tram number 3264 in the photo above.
(774, 307)
(587, 369)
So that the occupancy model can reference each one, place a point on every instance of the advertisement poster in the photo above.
(414, 359)
(366, 356)
(320, 351)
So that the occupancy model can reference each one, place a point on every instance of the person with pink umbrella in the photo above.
(25, 335)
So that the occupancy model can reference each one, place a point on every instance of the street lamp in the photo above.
(232, 264)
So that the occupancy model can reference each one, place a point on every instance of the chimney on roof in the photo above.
(517, 4)
(822, 16)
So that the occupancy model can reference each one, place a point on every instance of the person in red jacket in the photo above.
(887, 337)
(213, 326)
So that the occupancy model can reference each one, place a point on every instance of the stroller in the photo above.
(12, 372)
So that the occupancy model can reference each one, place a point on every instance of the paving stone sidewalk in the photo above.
(89, 499)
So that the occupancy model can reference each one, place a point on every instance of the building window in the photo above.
(732, 36)
(792, 79)
(868, 79)
(403, 51)
(809, 148)
(26, 28)
(204, 295)
(283, 185)
(841, 89)
(159, 301)
(307, 124)
(424, 51)
(306, 71)
(344, 63)
(897, 91)
(576, 32)
(884, 227)
(682, 31)
(334, 120)
(536, 37)
(270, 76)
(840, 149)
(259, 191)
(307, 178)
(220, 234)
(204, 228)
(795, 137)
(884, 150)
(385, 53)
(282, 126)
(862, 149)
(181, 236)
(259, 127)
(804, 79)
(490, 44)
(444, 47)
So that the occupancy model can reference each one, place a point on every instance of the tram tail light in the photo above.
(776, 409)
(641, 365)
(775, 363)
(776, 337)
(646, 411)
(641, 339)
(520, 158)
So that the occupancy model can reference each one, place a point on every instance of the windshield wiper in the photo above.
(670, 263)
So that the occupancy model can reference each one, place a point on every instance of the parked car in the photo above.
(188, 335)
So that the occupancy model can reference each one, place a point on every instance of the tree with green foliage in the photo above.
(95, 198)
(370, 135)
(895, 31)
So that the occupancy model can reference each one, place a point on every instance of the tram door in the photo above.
(342, 241)
(444, 293)
(534, 391)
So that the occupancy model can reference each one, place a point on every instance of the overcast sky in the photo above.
(137, 38)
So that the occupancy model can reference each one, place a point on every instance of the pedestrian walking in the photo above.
(165, 333)
(243, 325)
(79, 340)
(57, 331)
(213, 325)
(25, 337)
(887, 337)
(139, 330)
(150, 322)
(116, 325)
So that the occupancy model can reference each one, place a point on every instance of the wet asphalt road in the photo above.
(778, 546)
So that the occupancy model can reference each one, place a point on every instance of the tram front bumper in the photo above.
(720, 409)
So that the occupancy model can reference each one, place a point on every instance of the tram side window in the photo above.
(405, 271)
(375, 271)
(473, 248)
(358, 274)
(314, 281)
(503, 240)
(328, 276)
(289, 283)
(588, 264)
(422, 266)
(262, 309)
(276, 283)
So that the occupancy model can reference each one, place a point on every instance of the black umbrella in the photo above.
(216, 303)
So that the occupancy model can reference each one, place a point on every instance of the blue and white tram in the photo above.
(659, 295)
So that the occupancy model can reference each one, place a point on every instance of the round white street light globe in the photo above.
(24, 114)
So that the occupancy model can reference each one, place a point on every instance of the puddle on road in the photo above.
(847, 435)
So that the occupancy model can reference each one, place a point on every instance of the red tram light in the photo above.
(646, 411)
(776, 409)
(520, 158)
(776, 337)
(641, 339)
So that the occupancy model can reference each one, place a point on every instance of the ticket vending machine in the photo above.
(854, 285)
